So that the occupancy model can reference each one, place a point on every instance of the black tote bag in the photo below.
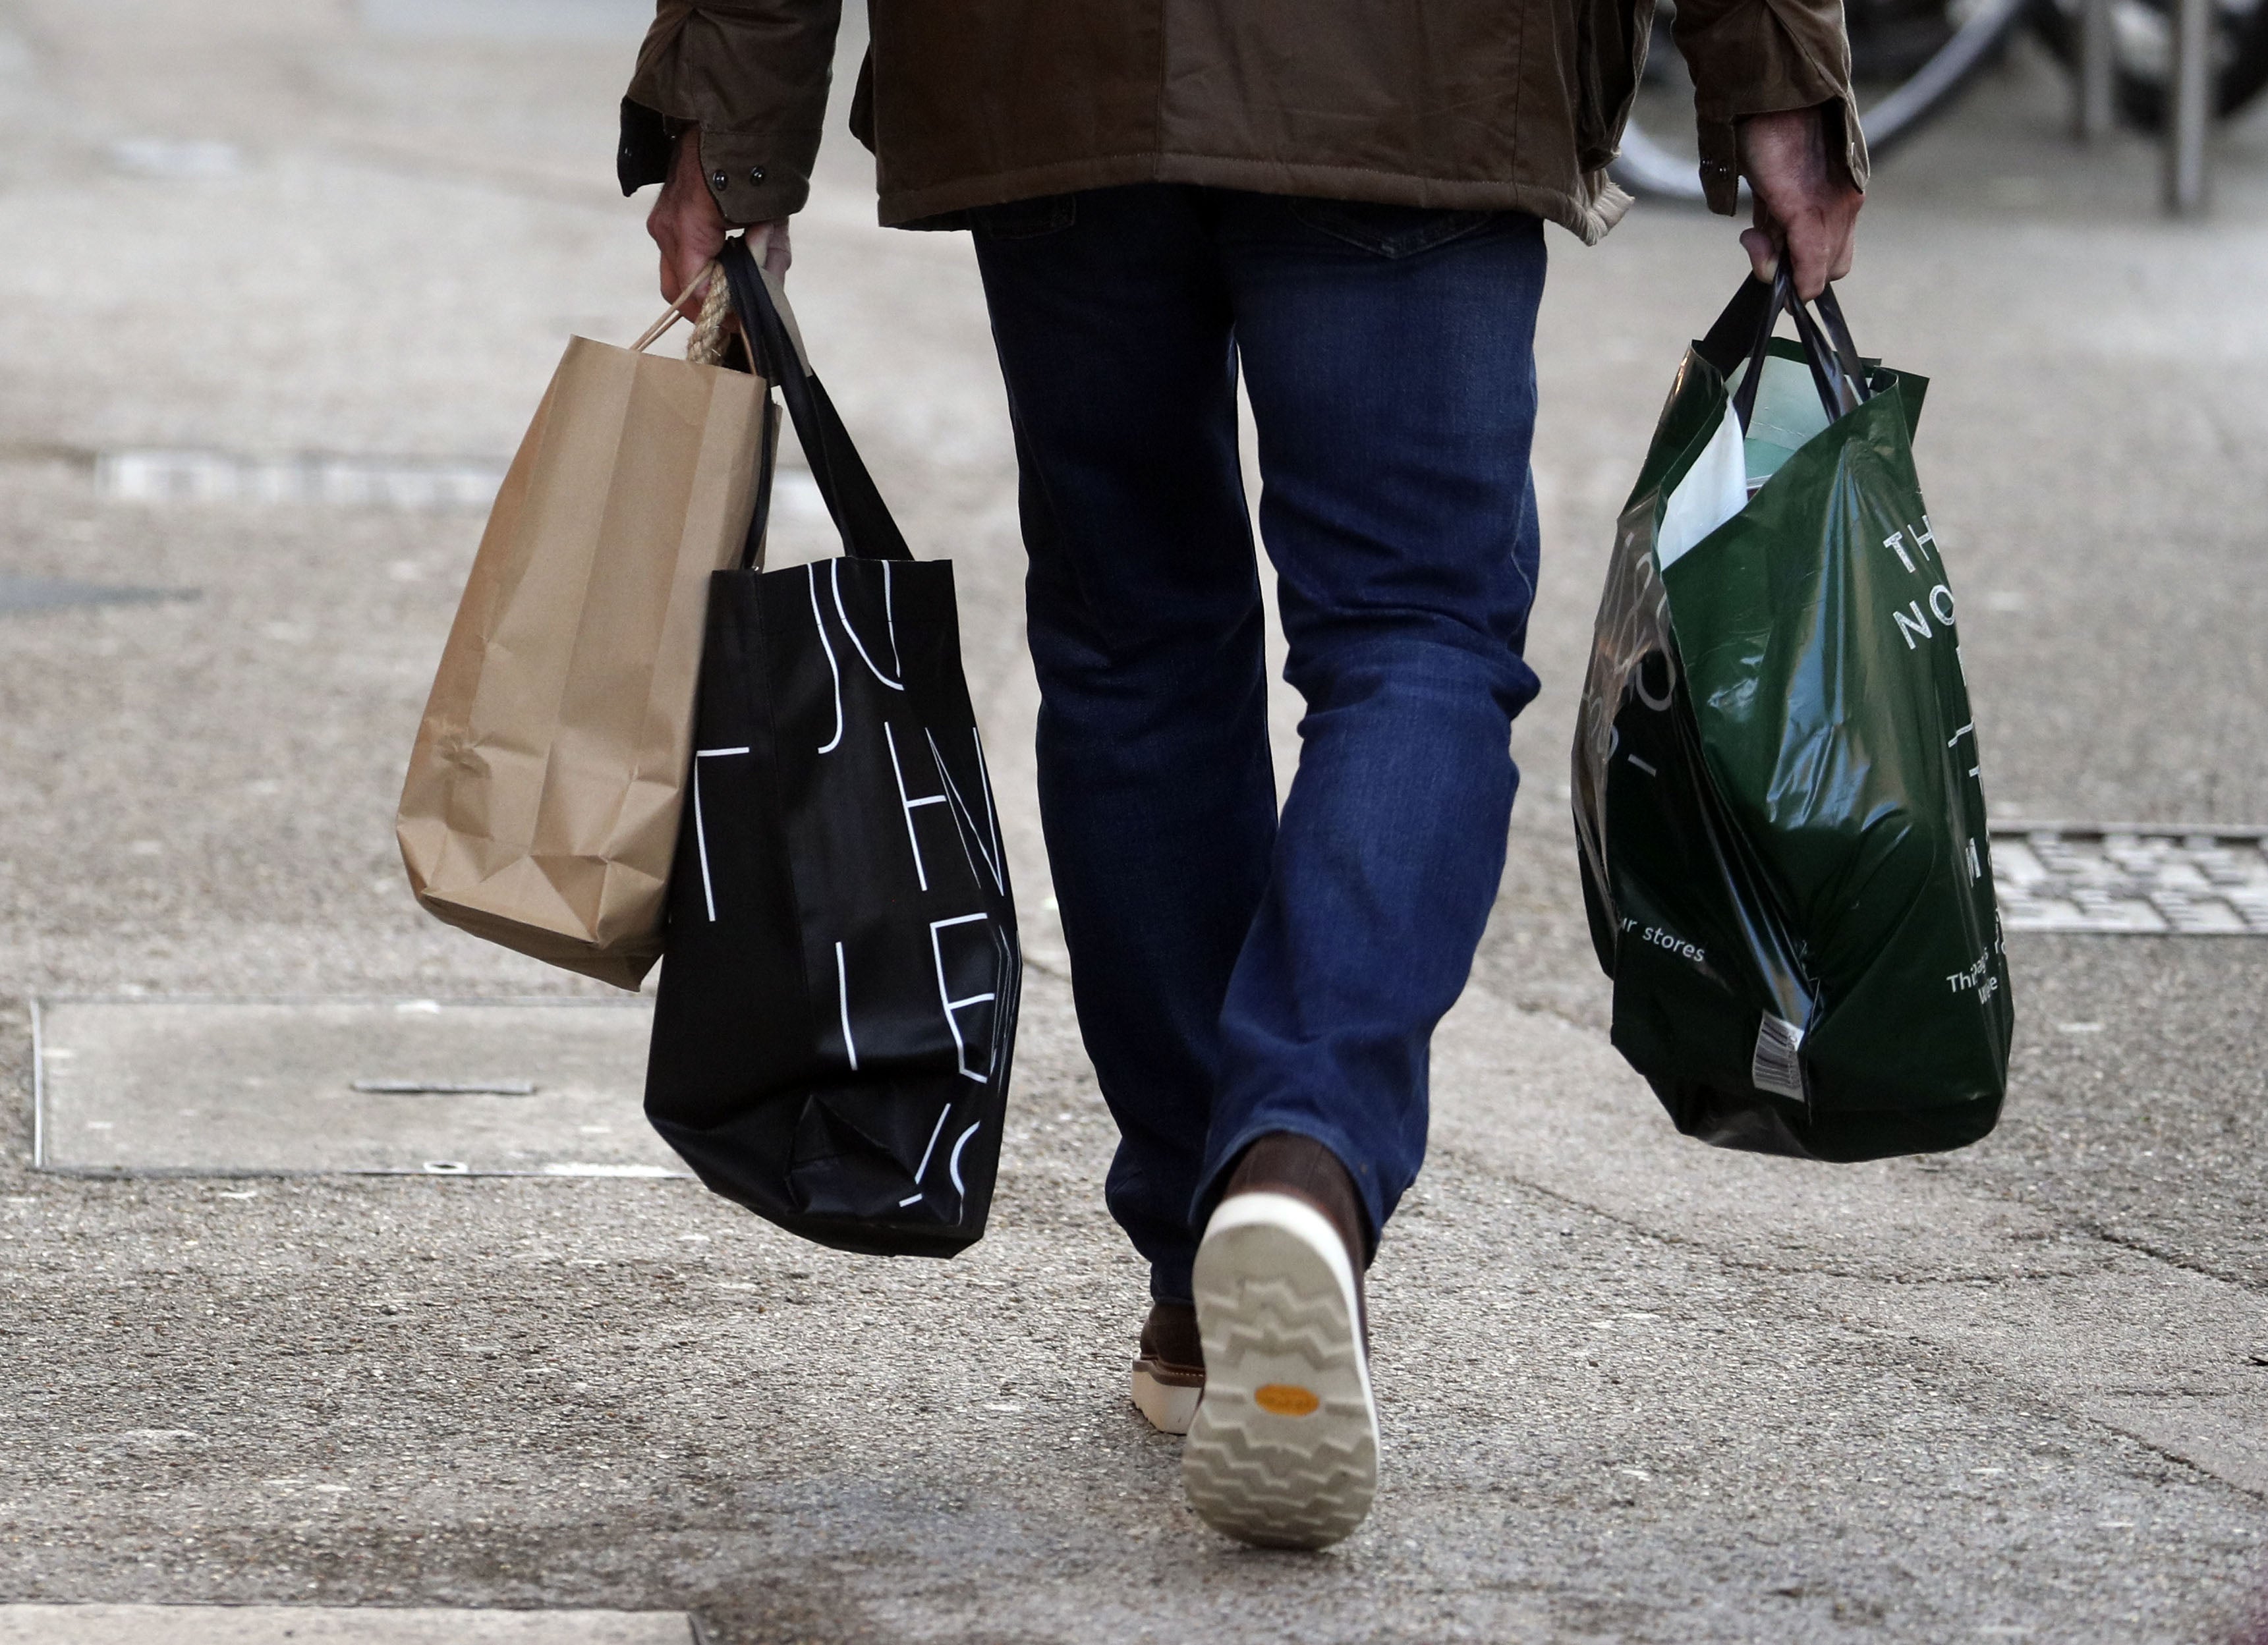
(837, 1003)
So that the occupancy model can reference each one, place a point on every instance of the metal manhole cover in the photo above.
(2151, 879)
(306, 478)
(201, 1087)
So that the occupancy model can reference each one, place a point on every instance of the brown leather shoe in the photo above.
(1285, 1162)
(1169, 1374)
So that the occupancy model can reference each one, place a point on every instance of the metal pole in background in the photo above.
(2189, 112)
(2095, 71)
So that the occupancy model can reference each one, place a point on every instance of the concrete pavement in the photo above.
(1632, 1388)
(327, 1625)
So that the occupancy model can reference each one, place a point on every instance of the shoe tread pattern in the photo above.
(1271, 1306)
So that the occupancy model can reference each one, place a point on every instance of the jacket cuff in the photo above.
(642, 155)
(1720, 151)
(756, 177)
(1763, 57)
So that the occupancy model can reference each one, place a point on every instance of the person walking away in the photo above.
(1344, 202)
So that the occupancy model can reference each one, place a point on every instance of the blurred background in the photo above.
(281, 283)
(282, 280)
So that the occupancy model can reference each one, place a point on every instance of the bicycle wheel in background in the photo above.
(2142, 49)
(1907, 58)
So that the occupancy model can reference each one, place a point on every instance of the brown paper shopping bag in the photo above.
(541, 804)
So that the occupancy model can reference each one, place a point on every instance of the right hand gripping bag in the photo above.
(1777, 792)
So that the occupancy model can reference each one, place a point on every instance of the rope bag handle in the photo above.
(709, 340)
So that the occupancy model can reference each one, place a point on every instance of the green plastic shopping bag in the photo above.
(1777, 791)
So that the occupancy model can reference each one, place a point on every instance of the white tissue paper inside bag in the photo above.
(1714, 489)
(1731, 468)
(1787, 418)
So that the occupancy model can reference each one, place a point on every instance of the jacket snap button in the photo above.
(716, 181)
(756, 174)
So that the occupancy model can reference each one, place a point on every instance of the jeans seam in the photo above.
(1063, 213)
(1390, 248)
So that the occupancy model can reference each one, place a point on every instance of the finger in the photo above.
(1807, 257)
(1763, 256)
(679, 266)
(779, 255)
(685, 267)
(657, 228)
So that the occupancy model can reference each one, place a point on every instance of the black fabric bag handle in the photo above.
(861, 518)
(1744, 332)
(752, 546)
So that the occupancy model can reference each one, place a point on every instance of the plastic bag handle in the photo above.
(1744, 332)
(1835, 364)
(1830, 312)
(861, 518)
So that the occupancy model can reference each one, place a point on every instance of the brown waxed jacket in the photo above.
(1466, 104)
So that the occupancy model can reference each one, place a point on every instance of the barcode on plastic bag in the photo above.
(1776, 1067)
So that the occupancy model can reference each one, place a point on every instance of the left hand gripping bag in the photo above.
(835, 1020)
(1777, 791)
(541, 806)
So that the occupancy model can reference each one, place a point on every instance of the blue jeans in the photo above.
(1237, 973)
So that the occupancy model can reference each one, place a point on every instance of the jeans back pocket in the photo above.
(1387, 230)
(1026, 219)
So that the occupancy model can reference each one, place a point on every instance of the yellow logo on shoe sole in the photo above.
(1283, 1400)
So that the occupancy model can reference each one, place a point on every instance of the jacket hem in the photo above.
(1587, 214)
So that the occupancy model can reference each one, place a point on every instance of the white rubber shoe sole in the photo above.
(1284, 1449)
(1172, 1405)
